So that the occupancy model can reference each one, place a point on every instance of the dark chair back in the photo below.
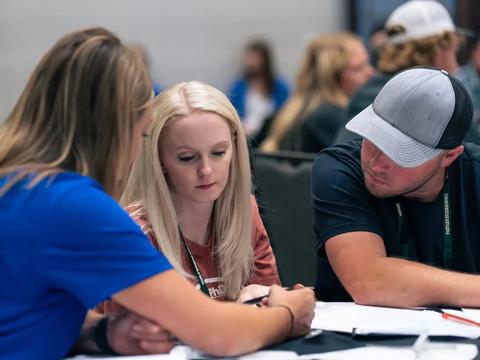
(282, 186)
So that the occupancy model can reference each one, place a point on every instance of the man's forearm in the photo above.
(398, 282)
(372, 278)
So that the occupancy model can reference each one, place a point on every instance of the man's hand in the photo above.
(130, 334)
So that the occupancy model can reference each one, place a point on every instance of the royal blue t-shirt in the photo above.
(65, 246)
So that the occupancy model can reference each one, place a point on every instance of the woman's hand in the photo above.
(300, 301)
(130, 334)
(252, 291)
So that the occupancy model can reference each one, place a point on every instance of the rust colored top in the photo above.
(264, 271)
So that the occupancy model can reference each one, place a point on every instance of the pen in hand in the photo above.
(258, 300)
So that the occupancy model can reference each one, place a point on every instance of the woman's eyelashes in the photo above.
(186, 158)
(192, 157)
(219, 153)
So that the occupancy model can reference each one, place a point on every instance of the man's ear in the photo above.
(451, 155)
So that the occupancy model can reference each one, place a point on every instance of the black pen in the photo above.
(438, 308)
(258, 300)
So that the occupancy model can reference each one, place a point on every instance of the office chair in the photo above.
(282, 183)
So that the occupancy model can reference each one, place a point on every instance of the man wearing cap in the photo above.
(396, 215)
(419, 32)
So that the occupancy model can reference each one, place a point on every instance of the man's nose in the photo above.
(378, 161)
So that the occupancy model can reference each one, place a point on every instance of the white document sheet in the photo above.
(345, 317)
(269, 355)
(438, 351)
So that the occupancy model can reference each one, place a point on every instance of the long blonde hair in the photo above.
(231, 218)
(77, 112)
(318, 80)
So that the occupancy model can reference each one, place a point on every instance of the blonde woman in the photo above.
(65, 152)
(334, 66)
(190, 191)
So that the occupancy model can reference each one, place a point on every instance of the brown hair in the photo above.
(77, 112)
(396, 57)
(261, 48)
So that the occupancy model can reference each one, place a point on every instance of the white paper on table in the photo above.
(436, 351)
(344, 317)
(266, 355)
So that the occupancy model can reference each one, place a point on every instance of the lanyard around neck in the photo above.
(195, 268)
(447, 222)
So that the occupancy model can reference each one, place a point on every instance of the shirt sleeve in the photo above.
(137, 213)
(340, 201)
(265, 271)
(93, 248)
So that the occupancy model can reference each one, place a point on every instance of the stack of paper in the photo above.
(364, 320)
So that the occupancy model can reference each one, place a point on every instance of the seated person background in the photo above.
(420, 32)
(377, 38)
(259, 93)
(190, 192)
(396, 215)
(65, 153)
(469, 75)
(333, 67)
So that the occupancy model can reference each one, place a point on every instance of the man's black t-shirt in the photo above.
(342, 204)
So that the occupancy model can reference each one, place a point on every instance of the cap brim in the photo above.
(402, 38)
(403, 150)
(465, 32)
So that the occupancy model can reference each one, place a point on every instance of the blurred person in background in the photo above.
(259, 93)
(469, 75)
(376, 39)
(420, 32)
(334, 66)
